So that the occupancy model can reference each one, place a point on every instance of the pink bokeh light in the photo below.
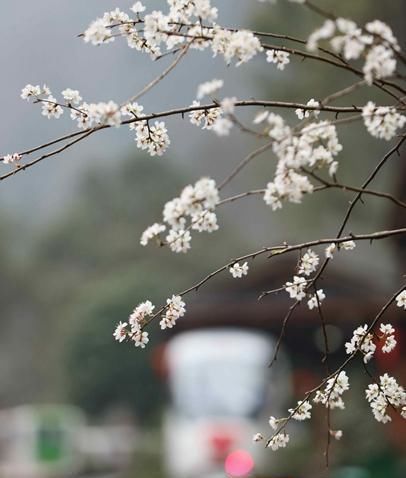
(239, 463)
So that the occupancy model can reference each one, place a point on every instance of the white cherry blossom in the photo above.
(401, 299)
(120, 334)
(279, 57)
(238, 271)
(382, 122)
(13, 158)
(302, 412)
(208, 88)
(297, 288)
(331, 396)
(71, 96)
(316, 299)
(308, 263)
(280, 440)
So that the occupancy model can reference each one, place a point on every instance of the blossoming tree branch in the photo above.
(307, 153)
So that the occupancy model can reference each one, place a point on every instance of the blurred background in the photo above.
(75, 403)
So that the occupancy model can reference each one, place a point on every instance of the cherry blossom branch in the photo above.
(380, 84)
(280, 250)
(293, 51)
(23, 167)
(371, 376)
(334, 375)
(358, 196)
(68, 106)
(209, 106)
(341, 60)
(340, 64)
(325, 14)
(177, 111)
(343, 224)
(272, 291)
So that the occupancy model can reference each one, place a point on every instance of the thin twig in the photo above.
(160, 77)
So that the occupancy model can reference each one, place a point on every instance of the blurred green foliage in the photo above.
(84, 274)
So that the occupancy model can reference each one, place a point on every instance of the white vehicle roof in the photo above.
(217, 344)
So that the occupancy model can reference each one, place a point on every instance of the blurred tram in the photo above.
(54, 441)
(40, 441)
(221, 389)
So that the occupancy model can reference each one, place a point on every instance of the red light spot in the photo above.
(221, 444)
(239, 463)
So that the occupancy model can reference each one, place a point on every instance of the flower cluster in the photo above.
(205, 118)
(208, 88)
(222, 126)
(316, 299)
(175, 308)
(212, 118)
(152, 232)
(136, 321)
(382, 121)
(142, 314)
(280, 440)
(304, 113)
(85, 114)
(345, 245)
(308, 263)
(387, 334)
(331, 396)
(162, 30)
(315, 146)
(98, 32)
(401, 299)
(375, 42)
(13, 158)
(302, 410)
(257, 437)
(50, 108)
(195, 204)
(72, 97)
(383, 394)
(241, 44)
(361, 340)
(153, 138)
(287, 185)
(34, 92)
(237, 270)
(279, 57)
(297, 289)
(348, 245)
